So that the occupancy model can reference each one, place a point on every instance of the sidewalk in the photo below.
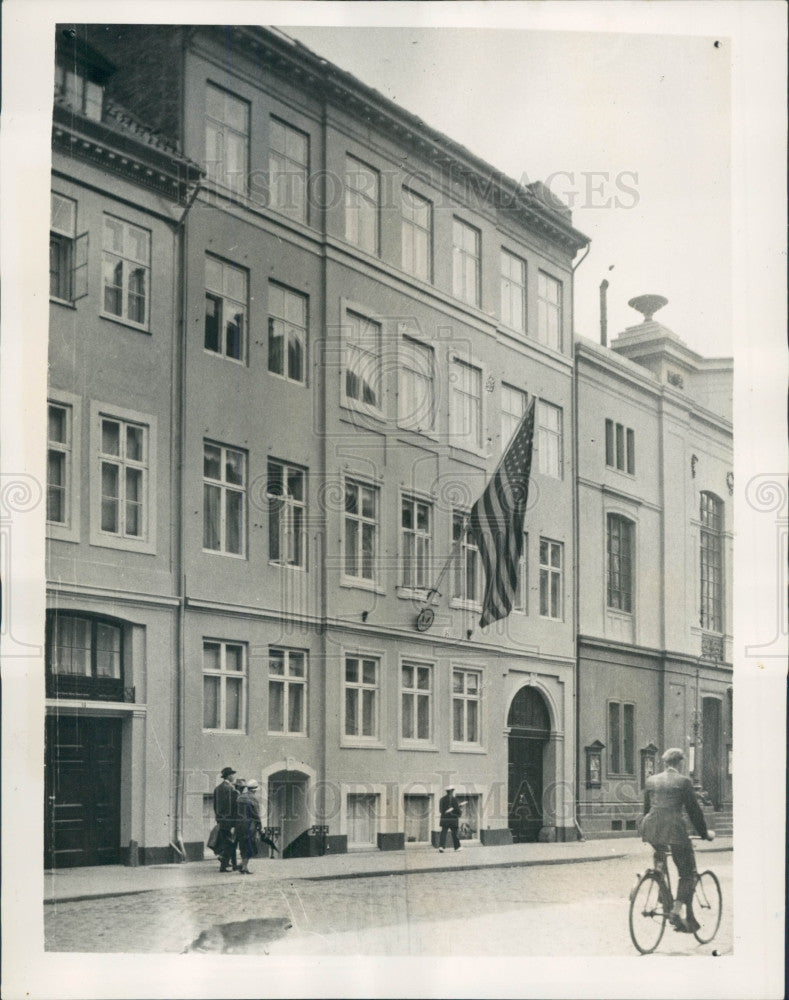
(72, 884)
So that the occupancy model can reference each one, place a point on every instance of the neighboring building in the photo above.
(655, 527)
(118, 192)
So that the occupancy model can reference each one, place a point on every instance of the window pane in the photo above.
(351, 702)
(57, 424)
(351, 547)
(109, 497)
(276, 707)
(56, 482)
(276, 662)
(368, 550)
(408, 716)
(211, 517)
(296, 708)
(276, 346)
(234, 468)
(352, 670)
(134, 443)
(234, 659)
(457, 719)
(423, 718)
(212, 461)
(233, 703)
(613, 728)
(110, 437)
(210, 703)
(369, 671)
(368, 713)
(629, 739)
(211, 653)
(233, 526)
(472, 710)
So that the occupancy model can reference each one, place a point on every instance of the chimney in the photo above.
(603, 313)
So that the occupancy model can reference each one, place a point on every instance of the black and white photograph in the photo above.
(394, 500)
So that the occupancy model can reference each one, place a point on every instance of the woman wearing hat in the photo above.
(248, 825)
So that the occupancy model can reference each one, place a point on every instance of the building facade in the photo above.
(655, 518)
(292, 331)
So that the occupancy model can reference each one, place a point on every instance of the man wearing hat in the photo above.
(665, 796)
(449, 814)
(225, 796)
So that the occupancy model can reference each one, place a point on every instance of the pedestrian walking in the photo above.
(248, 825)
(449, 815)
(225, 796)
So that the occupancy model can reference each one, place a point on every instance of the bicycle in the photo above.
(652, 899)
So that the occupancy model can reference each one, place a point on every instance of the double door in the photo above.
(82, 791)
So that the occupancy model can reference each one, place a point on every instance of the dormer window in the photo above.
(82, 94)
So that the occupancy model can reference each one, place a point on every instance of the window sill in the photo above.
(461, 605)
(548, 618)
(241, 362)
(467, 450)
(66, 303)
(62, 532)
(120, 321)
(625, 616)
(282, 735)
(363, 409)
(419, 746)
(143, 547)
(225, 732)
(286, 378)
(412, 594)
(349, 583)
(288, 566)
(350, 743)
(423, 432)
(467, 748)
(622, 472)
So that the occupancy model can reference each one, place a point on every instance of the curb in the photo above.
(383, 873)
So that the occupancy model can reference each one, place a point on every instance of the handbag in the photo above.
(213, 838)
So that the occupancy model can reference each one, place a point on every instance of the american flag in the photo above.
(496, 521)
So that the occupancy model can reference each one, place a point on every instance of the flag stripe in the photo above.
(496, 521)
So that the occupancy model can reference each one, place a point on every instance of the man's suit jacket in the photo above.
(449, 809)
(225, 796)
(665, 796)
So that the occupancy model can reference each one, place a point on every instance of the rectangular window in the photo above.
(362, 694)
(549, 439)
(551, 558)
(287, 691)
(85, 658)
(465, 262)
(417, 235)
(466, 706)
(470, 809)
(126, 271)
(465, 405)
(123, 465)
(361, 530)
(513, 291)
(549, 311)
(620, 447)
(224, 498)
(362, 820)
(287, 514)
(62, 232)
(521, 600)
(224, 686)
(416, 533)
(287, 333)
(78, 92)
(289, 169)
(59, 463)
(620, 563)
(513, 406)
(226, 139)
(361, 205)
(418, 814)
(468, 575)
(621, 738)
(362, 360)
(711, 545)
(416, 701)
(225, 309)
(416, 400)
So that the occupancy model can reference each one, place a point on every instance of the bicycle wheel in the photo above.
(707, 906)
(647, 913)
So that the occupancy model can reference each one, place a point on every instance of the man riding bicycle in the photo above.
(663, 826)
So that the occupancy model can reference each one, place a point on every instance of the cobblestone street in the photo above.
(564, 909)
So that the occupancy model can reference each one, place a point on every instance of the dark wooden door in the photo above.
(82, 791)
(525, 787)
(711, 749)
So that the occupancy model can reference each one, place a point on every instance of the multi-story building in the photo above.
(655, 487)
(339, 334)
(118, 195)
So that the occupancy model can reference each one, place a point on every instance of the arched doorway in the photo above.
(288, 808)
(529, 729)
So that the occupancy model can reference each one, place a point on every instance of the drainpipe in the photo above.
(603, 313)
(179, 438)
(576, 586)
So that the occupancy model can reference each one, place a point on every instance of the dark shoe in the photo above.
(441, 850)
(224, 868)
(457, 848)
